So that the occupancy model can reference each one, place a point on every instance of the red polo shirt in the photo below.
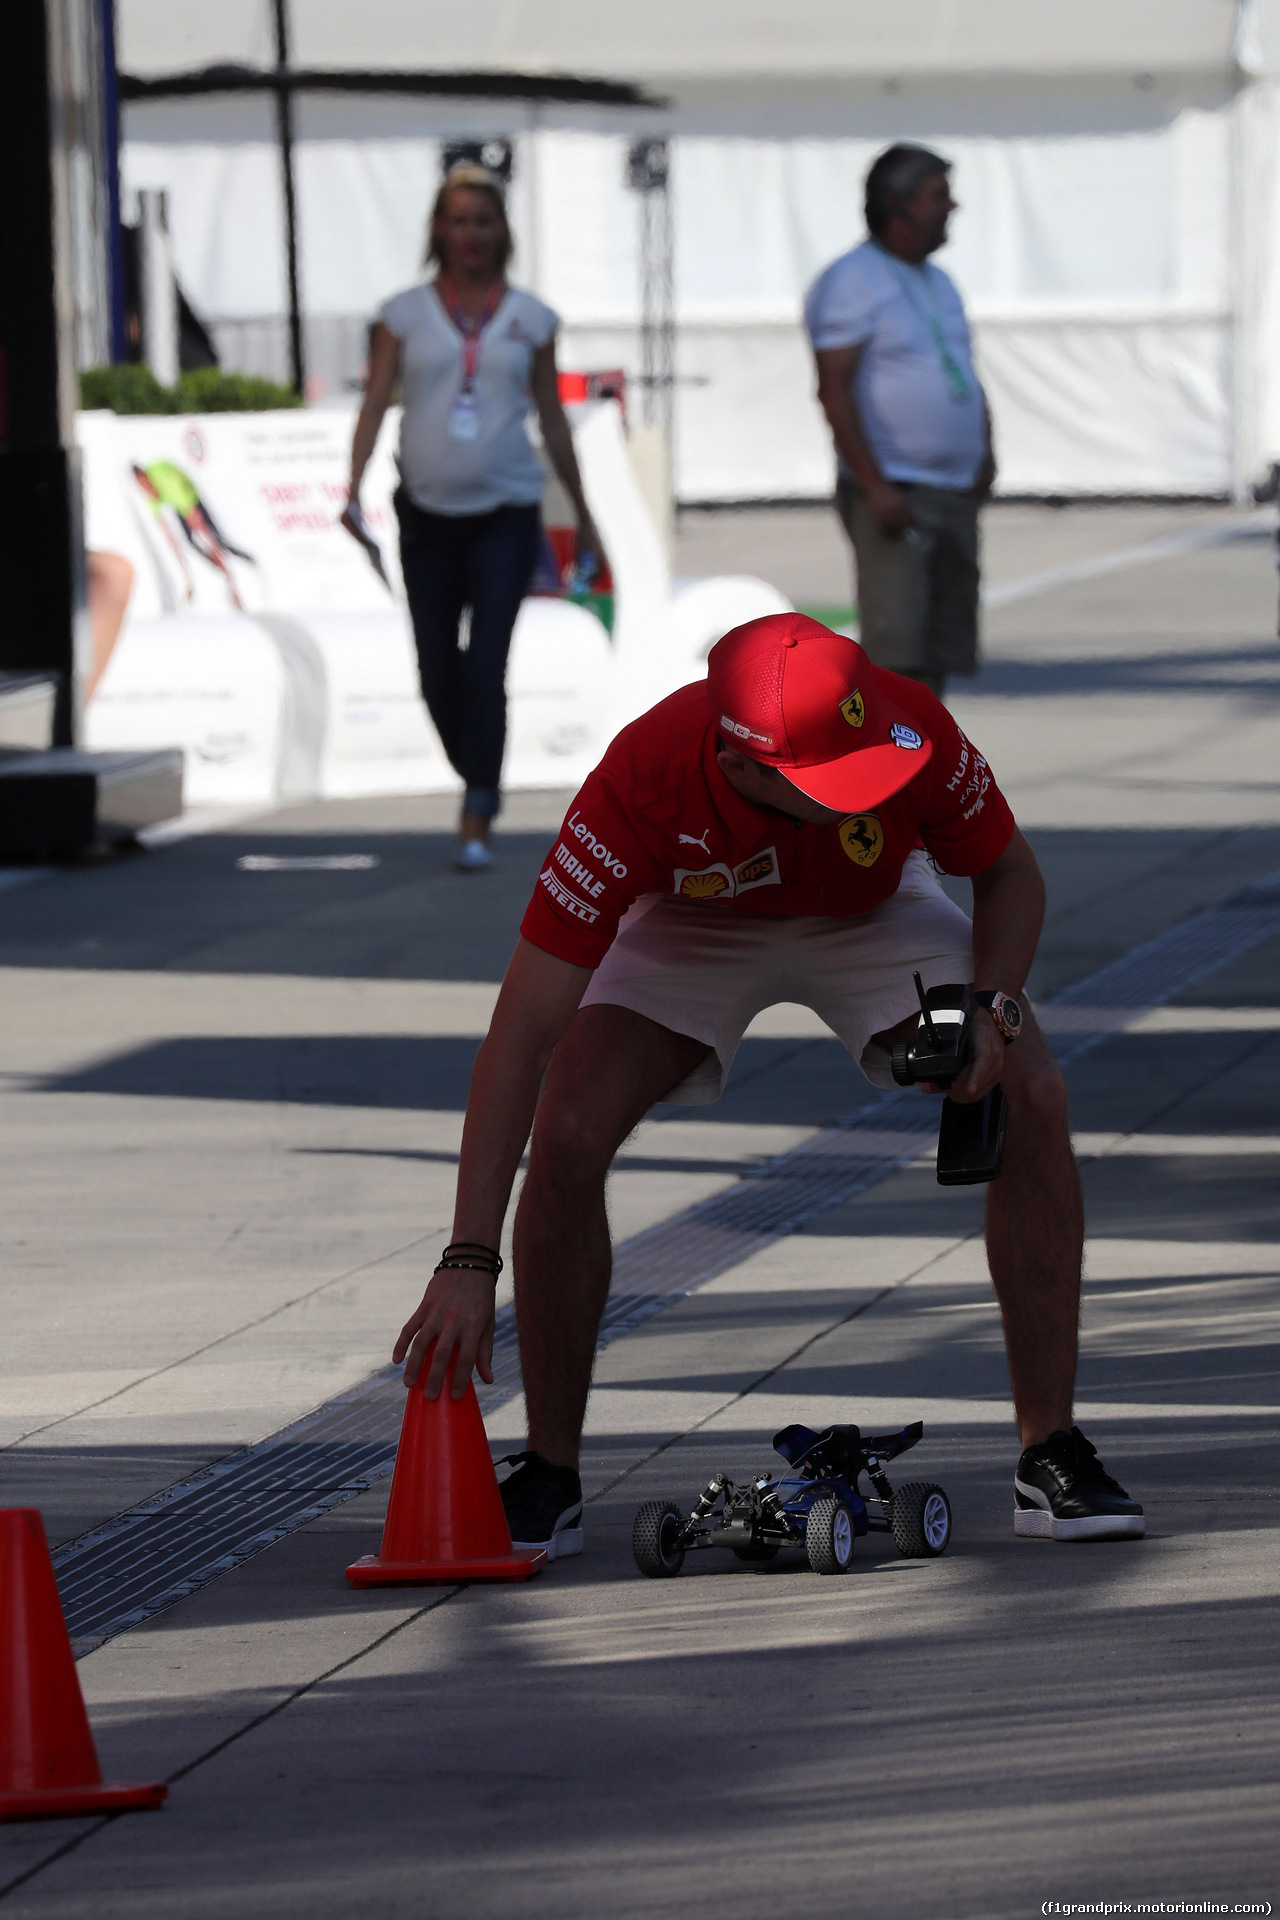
(658, 817)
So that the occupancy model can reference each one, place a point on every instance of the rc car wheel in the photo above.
(757, 1550)
(655, 1539)
(921, 1520)
(828, 1536)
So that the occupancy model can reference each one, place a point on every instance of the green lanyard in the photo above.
(953, 373)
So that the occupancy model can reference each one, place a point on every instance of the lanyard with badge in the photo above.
(952, 372)
(464, 415)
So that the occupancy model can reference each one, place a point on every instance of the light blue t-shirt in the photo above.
(916, 391)
(498, 466)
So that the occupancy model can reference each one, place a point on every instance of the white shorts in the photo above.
(707, 972)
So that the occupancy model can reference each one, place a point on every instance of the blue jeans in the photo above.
(450, 562)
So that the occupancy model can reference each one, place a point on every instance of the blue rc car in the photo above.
(817, 1506)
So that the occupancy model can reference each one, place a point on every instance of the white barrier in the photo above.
(308, 686)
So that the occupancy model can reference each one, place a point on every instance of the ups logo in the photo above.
(704, 886)
(862, 838)
(757, 871)
(853, 709)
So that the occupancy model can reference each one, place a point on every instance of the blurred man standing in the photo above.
(910, 423)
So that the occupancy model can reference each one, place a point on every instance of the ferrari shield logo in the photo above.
(862, 838)
(853, 709)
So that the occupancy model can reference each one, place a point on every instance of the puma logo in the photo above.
(687, 840)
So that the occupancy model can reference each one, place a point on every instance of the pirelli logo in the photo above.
(569, 901)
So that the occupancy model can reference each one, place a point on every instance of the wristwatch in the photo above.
(1004, 1010)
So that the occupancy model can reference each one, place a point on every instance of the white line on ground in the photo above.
(1259, 525)
(1094, 1146)
(308, 863)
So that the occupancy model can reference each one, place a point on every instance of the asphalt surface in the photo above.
(229, 1115)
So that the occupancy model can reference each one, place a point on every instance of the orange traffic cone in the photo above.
(48, 1763)
(445, 1521)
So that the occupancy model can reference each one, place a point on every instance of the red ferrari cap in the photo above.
(793, 695)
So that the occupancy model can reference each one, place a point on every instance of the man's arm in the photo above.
(986, 476)
(836, 369)
(539, 998)
(1008, 911)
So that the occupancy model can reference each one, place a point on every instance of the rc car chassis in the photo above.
(817, 1506)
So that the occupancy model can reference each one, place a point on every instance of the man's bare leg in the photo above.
(604, 1076)
(1035, 1234)
(1035, 1240)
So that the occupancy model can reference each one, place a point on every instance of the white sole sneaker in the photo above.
(474, 857)
(1037, 1523)
(564, 1542)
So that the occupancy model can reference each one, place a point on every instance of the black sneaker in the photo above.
(1062, 1491)
(543, 1505)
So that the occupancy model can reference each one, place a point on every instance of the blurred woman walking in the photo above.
(468, 350)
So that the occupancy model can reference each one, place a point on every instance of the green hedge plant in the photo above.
(131, 388)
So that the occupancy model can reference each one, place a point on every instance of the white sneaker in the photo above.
(472, 857)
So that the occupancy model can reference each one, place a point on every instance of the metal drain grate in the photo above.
(779, 1197)
(171, 1545)
(1158, 971)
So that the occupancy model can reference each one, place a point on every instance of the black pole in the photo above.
(41, 543)
(284, 122)
(111, 141)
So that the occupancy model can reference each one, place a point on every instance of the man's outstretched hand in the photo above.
(457, 1313)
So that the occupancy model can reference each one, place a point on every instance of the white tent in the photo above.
(1115, 160)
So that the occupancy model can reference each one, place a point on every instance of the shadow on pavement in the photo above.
(189, 908)
(1250, 669)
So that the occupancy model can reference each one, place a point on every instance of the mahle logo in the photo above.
(854, 709)
(862, 838)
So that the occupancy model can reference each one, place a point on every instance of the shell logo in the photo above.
(703, 886)
(862, 838)
(854, 709)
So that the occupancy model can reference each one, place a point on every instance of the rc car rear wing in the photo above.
(841, 1449)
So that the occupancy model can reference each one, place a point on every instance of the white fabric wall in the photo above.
(667, 41)
(1098, 249)
(1258, 331)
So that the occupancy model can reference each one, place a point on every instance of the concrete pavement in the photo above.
(229, 1113)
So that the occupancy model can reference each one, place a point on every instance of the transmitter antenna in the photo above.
(931, 1032)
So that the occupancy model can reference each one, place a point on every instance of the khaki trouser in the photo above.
(917, 592)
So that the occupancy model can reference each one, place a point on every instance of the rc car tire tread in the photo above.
(921, 1520)
(652, 1537)
(829, 1536)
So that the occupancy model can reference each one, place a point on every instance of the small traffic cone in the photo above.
(48, 1762)
(445, 1521)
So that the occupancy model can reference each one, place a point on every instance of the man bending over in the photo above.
(761, 836)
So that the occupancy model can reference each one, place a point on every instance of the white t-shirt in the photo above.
(498, 467)
(916, 391)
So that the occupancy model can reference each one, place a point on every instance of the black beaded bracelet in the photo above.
(453, 1258)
